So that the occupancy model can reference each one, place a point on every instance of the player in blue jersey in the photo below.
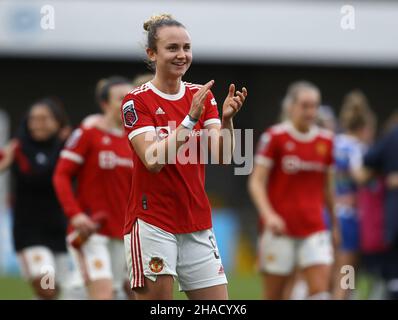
(357, 125)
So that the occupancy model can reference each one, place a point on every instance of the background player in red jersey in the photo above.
(100, 159)
(96, 119)
(168, 224)
(39, 226)
(290, 185)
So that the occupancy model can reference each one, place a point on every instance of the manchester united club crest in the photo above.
(270, 258)
(98, 264)
(321, 148)
(129, 115)
(156, 264)
(37, 258)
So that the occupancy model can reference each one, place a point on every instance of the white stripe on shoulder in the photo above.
(141, 87)
(127, 103)
(141, 91)
(279, 128)
(327, 134)
(192, 85)
(138, 131)
(192, 88)
(264, 161)
(66, 154)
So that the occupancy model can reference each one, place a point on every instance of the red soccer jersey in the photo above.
(102, 163)
(298, 174)
(173, 199)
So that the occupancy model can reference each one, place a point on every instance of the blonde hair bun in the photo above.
(155, 19)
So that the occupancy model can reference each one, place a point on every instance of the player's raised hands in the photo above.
(233, 102)
(199, 98)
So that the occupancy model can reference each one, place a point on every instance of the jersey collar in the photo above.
(304, 137)
(166, 96)
(116, 132)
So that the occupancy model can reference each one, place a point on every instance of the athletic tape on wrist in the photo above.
(189, 122)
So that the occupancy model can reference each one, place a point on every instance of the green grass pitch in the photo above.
(240, 287)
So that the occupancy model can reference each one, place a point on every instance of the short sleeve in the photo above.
(355, 157)
(77, 146)
(266, 150)
(211, 111)
(135, 116)
(330, 160)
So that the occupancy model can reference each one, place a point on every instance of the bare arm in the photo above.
(392, 180)
(258, 182)
(222, 147)
(362, 175)
(330, 206)
(156, 154)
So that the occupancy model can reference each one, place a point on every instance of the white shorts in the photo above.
(281, 254)
(193, 258)
(101, 257)
(37, 261)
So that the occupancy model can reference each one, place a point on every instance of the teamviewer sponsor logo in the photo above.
(293, 164)
(109, 160)
(199, 148)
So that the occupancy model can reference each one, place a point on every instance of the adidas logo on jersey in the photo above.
(106, 140)
(160, 111)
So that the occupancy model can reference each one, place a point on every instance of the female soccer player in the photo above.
(39, 224)
(168, 224)
(290, 185)
(350, 145)
(100, 158)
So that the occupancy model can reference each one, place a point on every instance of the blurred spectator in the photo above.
(39, 223)
(356, 121)
(382, 158)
